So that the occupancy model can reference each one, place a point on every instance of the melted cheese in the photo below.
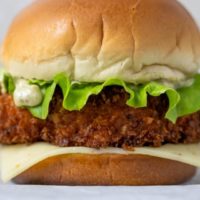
(18, 158)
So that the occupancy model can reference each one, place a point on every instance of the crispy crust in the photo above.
(99, 124)
(79, 169)
(95, 40)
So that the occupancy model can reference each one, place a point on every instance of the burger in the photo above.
(103, 92)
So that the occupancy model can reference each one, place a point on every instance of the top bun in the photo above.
(93, 40)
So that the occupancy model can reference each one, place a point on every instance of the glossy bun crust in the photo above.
(79, 169)
(93, 40)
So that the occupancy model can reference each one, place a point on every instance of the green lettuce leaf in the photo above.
(76, 95)
(182, 101)
(9, 83)
(189, 98)
(40, 83)
(42, 110)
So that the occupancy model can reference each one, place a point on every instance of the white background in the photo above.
(9, 8)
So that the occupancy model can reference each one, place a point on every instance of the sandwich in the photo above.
(103, 92)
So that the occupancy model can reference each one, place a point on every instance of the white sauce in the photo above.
(26, 94)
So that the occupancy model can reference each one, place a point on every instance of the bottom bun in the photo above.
(80, 169)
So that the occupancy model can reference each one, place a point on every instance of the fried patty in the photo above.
(106, 121)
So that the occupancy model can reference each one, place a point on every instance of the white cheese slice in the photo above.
(18, 158)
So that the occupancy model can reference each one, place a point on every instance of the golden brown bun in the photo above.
(136, 41)
(79, 169)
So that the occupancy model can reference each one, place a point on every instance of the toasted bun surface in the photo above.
(79, 169)
(136, 41)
